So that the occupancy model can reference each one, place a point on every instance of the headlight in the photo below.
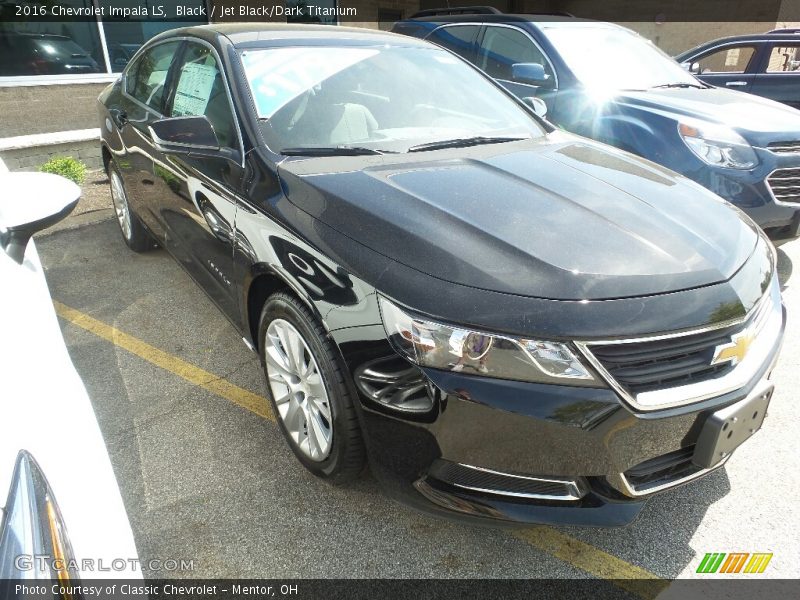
(440, 346)
(33, 528)
(718, 145)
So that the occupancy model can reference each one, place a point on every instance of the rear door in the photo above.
(779, 74)
(502, 46)
(143, 100)
(730, 66)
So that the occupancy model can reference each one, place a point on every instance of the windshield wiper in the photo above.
(680, 85)
(331, 151)
(464, 142)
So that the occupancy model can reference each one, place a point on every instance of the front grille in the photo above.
(785, 184)
(505, 484)
(663, 471)
(648, 365)
(784, 147)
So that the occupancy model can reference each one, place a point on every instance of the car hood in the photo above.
(759, 120)
(559, 218)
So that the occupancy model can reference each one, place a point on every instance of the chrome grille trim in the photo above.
(788, 147)
(766, 322)
(784, 185)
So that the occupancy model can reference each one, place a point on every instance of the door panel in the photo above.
(729, 67)
(198, 207)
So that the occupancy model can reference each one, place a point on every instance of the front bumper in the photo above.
(508, 452)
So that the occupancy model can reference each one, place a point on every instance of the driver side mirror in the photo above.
(692, 67)
(184, 135)
(530, 73)
(31, 202)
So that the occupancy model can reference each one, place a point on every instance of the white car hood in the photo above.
(44, 409)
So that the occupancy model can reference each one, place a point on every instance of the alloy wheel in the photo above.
(120, 201)
(298, 390)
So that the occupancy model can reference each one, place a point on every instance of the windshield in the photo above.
(387, 99)
(615, 59)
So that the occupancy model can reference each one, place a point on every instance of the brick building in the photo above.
(45, 113)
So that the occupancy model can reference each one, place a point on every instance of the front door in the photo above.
(198, 209)
(729, 66)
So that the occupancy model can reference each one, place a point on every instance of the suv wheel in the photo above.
(313, 405)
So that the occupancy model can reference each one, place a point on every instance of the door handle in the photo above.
(735, 83)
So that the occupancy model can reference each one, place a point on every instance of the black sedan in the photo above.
(508, 322)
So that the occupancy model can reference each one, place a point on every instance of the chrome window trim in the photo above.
(767, 318)
(575, 488)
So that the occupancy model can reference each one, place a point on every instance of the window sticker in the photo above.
(194, 89)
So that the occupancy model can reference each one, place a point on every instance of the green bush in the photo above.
(66, 166)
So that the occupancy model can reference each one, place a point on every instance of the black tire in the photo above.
(135, 235)
(347, 455)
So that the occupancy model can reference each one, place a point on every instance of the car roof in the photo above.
(264, 34)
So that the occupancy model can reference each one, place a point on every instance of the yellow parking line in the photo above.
(633, 579)
(194, 375)
(586, 557)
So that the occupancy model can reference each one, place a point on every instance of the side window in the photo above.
(727, 60)
(502, 47)
(145, 79)
(784, 59)
(200, 91)
(457, 38)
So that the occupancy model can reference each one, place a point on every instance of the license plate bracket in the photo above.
(727, 428)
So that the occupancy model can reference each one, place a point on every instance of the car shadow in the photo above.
(784, 268)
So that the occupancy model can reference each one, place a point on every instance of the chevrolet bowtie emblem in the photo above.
(735, 350)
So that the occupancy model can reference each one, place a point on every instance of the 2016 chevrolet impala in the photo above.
(510, 323)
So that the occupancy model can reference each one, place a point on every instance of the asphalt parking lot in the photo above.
(205, 474)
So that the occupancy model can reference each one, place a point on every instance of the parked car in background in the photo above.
(510, 322)
(606, 82)
(61, 514)
(43, 54)
(766, 64)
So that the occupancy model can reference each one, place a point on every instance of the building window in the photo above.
(87, 47)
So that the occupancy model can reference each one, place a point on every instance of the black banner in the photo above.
(734, 588)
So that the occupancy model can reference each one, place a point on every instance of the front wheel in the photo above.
(311, 401)
(133, 232)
